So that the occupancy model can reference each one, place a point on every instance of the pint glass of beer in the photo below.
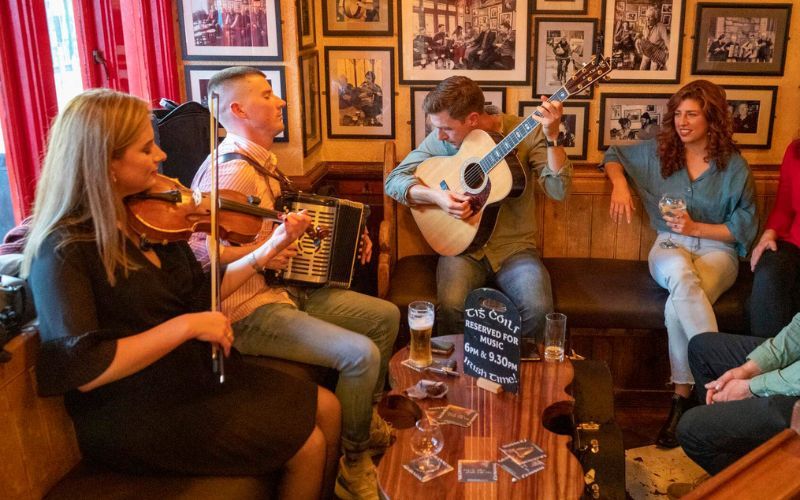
(420, 324)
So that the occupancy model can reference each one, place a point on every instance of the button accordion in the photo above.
(330, 262)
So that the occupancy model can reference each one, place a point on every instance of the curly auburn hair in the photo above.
(720, 145)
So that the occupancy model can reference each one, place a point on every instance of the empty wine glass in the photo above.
(427, 441)
(671, 204)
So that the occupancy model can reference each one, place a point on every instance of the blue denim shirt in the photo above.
(716, 197)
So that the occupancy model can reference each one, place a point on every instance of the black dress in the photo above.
(172, 416)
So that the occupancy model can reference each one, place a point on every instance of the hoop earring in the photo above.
(113, 178)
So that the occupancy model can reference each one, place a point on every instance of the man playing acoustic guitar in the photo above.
(509, 257)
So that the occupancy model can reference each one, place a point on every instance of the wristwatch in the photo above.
(550, 144)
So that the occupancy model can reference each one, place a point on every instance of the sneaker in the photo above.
(381, 435)
(357, 479)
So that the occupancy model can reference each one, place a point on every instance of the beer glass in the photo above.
(555, 330)
(420, 325)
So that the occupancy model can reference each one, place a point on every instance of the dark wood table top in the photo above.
(502, 418)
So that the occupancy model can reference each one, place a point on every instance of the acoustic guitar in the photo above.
(487, 169)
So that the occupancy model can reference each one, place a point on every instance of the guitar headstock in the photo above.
(594, 70)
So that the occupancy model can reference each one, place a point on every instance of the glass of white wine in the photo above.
(671, 204)
(427, 441)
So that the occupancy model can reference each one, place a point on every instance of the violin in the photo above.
(169, 211)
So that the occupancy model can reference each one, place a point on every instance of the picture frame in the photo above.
(559, 7)
(753, 111)
(644, 41)
(736, 39)
(310, 101)
(211, 36)
(636, 108)
(368, 18)
(360, 92)
(576, 122)
(197, 76)
(421, 125)
(452, 42)
(560, 45)
(306, 25)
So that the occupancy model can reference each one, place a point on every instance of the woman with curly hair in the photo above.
(694, 156)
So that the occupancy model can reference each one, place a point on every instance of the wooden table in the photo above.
(502, 418)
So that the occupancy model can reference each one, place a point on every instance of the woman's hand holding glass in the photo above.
(680, 222)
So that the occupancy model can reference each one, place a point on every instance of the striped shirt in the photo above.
(239, 175)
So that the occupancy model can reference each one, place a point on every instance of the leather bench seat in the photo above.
(593, 293)
(88, 480)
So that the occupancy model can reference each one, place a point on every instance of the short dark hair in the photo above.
(226, 75)
(506, 24)
(458, 95)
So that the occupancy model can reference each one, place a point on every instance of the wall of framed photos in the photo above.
(396, 76)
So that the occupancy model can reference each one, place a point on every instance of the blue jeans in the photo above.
(522, 277)
(696, 274)
(717, 435)
(348, 331)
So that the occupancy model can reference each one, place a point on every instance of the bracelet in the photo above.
(551, 144)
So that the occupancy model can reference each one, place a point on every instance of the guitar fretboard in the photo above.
(516, 136)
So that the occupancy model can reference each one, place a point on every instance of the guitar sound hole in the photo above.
(473, 176)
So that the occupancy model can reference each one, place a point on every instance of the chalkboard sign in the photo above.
(492, 338)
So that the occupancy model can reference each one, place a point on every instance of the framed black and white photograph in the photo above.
(360, 92)
(230, 30)
(629, 118)
(734, 39)
(310, 101)
(643, 39)
(420, 123)
(357, 17)
(486, 41)
(562, 46)
(753, 112)
(197, 86)
(574, 130)
(558, 6)
(306, 28)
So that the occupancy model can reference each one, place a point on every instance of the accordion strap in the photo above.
(277, 175)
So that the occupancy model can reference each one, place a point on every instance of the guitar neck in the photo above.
(520, 132)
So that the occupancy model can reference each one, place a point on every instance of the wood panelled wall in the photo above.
(37, 439)
(580, 226)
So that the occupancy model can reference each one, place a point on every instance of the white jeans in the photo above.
(696, 274)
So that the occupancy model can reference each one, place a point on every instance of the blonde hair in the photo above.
(75, 191)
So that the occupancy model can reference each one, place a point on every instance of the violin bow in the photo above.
(217, 359)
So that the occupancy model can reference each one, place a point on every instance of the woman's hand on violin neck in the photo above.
(210, 326)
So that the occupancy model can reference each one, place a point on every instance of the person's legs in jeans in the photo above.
(717, 435)
(372, 317)
(775, 298)
(456, 276)
(526, 281)
(712, 354)
(283, 331)
(695, 274)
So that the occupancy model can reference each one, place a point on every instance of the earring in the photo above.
(113, 178)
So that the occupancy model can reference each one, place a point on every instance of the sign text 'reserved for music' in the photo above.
(492, 338)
